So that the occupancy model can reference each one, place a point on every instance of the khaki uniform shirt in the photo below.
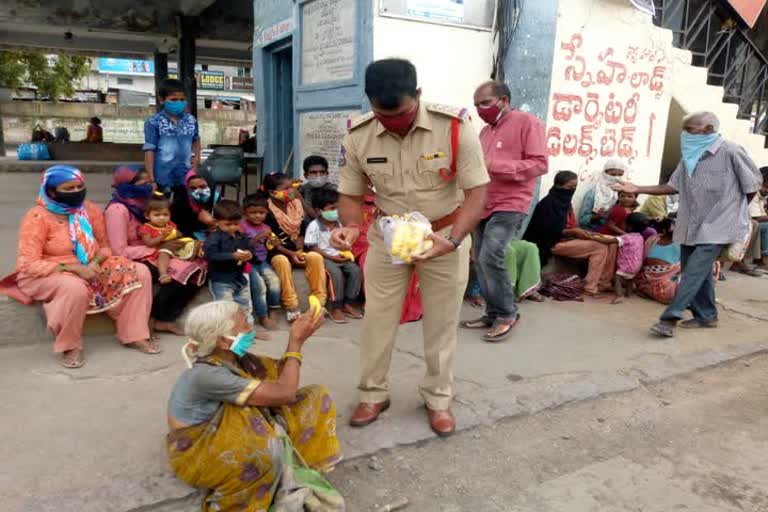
(406, 172)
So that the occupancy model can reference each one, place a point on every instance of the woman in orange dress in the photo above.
(65, 262)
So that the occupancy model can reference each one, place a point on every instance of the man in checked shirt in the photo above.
(716, 180)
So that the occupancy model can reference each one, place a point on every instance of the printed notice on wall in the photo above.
(321, 134)
(328, 41)
(438, 10)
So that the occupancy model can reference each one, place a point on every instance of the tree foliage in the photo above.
(54, 76)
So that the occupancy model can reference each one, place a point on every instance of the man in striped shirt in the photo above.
(716, 180)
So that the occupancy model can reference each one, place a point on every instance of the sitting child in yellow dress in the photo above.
(158, 231)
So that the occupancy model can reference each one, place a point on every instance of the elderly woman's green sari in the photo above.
(236, 454)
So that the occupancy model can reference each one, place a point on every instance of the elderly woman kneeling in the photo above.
(224, 411)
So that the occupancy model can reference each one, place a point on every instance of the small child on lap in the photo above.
(228, 254)
(265, 283)
(157, 231)
(346, 275)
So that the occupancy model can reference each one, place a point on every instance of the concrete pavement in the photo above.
(92, 439)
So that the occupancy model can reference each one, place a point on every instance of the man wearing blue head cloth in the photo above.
(716, 180)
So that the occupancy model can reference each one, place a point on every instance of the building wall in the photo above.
(120, 124)
(610, 91)
(451, 61)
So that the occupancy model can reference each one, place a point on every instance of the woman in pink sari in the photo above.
(124, 216)
(65, 262)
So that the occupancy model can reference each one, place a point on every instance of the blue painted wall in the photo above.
(528, 65)
(347, 95)
(266, 13)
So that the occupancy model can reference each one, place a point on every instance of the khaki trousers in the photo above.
(442, 282)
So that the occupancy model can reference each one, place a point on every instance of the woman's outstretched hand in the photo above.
(304, 327)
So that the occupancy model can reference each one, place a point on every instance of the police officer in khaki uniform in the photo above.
(405, 149)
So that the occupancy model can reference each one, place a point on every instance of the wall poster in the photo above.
(321, 133)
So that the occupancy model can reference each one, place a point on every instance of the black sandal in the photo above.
(480, 323)
(493, 338)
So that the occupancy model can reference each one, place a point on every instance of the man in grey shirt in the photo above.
(716, 180)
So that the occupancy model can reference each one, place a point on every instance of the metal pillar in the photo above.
(186, 28)
(161, 73)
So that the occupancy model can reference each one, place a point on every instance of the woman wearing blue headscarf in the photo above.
(65, 262)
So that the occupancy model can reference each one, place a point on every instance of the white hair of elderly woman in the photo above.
(704, 117)
(205, 325)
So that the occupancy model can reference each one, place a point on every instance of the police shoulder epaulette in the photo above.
(354, 122)
(448, 110)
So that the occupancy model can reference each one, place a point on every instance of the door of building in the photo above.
(280, 91)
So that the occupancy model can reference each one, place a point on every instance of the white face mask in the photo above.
(317, 181)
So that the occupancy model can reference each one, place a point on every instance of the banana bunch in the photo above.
(409, 239)
(272, 241)
(188, 251)
(315, 307)
(347, 255)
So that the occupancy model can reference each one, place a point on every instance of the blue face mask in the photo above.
(130, 191)
(693, 146)
(331, 215)
(201, 195)
(175, 108)
(242, 342)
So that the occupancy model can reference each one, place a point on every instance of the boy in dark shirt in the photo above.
(228, 253)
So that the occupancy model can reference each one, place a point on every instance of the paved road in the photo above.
(91, 440)
(692, 444)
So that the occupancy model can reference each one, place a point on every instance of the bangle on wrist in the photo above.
(294, 355)
(352, 225)
(455, 241)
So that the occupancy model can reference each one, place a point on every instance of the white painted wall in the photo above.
(605, 31)
(451, 61)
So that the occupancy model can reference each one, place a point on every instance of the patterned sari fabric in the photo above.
(235, 455)
(118, 278)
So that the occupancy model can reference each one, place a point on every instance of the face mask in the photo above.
(242, 342)
(71, 199)
(331, 216)
(175, 108)
(129, 191)
(284, 195)
(399, 124)
(201, 195)
(490, 115)
(317, 182)
(563, 193)
(693, 146)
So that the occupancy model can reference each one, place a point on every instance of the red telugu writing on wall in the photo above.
(603, 109)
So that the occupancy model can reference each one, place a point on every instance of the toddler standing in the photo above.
(616, 222)
(346, 276)
(265, 284)
(629, 259)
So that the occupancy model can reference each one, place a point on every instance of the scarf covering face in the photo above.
(133, 197)
(605, 196)
(208, 205)
(693, 147)
(80, 230)
(549, 220)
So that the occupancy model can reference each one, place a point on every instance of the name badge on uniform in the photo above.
(498, 145)
(376, 160)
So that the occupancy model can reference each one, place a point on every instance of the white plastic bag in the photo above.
(406, 236)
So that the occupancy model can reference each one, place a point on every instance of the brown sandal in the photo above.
(150, 346)
(72, 362)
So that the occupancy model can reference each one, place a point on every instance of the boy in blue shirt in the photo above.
(171, 139)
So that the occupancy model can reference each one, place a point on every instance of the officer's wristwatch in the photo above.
(455, 241)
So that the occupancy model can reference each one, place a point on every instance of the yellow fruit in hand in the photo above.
(347, 255)
(315, 307)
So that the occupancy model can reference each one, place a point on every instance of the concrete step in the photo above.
(23, 325)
